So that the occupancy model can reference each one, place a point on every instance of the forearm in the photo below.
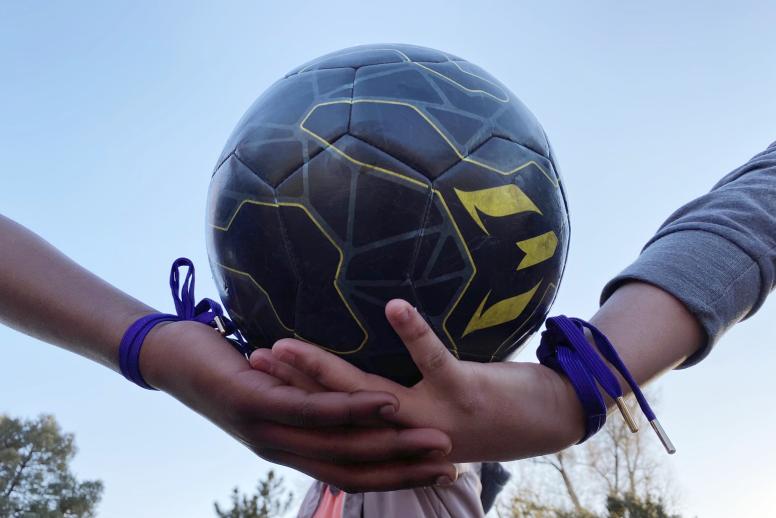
(521, 410)
(651, 331)
(45, 294)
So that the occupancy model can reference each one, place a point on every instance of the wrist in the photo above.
(155, 356)
(568, 425)
(531, 410)
(186, 357)
(651, 330)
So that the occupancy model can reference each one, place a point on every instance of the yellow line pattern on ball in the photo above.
(504, 98)
(458, 153)
(336, 275)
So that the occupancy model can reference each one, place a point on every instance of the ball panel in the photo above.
(479, 105)
(519, 125)
(505, 156)
(466, 132)
(255, 281)
(363, 55)
(322, 312)
(401, 206)
(449, 260)
(385, 262)
(324, 185)
(354, 59)
(475, 84)
(397, 81)
(228, 188)
(270, 138)
(400, 129)
(353, 177)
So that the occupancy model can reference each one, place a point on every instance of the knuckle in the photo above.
(314, 369)
(437, 358)
(282, 342)
(419, 330)
(469, 405)
(350, 386)
(470, 402)
(270, 367)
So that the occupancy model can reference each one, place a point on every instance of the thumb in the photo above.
(428, 352)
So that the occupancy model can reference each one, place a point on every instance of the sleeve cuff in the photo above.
(707, 273)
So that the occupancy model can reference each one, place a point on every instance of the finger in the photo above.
(347, 445)
(328, 408)
(263, 360)
(428, 352)
(328, 369)
(360, 478)
(249, 399)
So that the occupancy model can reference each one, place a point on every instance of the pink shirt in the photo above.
(330, 505)
(462, 499)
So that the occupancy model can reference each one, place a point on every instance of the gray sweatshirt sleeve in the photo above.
(717, 254)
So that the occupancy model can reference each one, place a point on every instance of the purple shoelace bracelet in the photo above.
(565, 349)
(207, 311)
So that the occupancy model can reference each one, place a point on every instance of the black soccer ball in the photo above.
(380, 172)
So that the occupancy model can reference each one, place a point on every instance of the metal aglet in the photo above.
(626, 414)
(661, 434)
(219, 321)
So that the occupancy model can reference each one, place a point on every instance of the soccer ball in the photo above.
(380, 172)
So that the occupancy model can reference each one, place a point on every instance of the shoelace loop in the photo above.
(565, 349)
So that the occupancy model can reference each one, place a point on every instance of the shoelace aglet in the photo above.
(626, 414)
(220, 325)
(663, 436)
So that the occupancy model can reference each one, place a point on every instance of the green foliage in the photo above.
(533, 510)
(35, 479)
(631, 506)
(271, 500)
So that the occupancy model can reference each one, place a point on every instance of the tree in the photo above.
(35, 479)
(615, 474)
(632, 506)
(271, 500)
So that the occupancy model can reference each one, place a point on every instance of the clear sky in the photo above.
(112, 115)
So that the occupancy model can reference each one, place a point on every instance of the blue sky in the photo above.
(113, 114)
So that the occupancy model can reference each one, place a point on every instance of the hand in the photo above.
(495, 411)
(311, 431)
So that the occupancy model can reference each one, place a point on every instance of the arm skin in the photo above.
(48, 296)
(502, 411)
